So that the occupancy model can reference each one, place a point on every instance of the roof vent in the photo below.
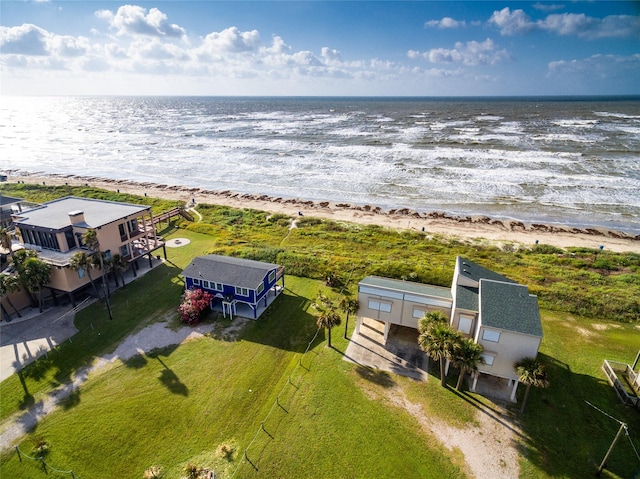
(466, 271)
(465, 263)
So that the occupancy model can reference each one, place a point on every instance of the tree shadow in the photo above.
(167, 377)
(135, 362)
(286, 324)
(377, 376)
(566, 437)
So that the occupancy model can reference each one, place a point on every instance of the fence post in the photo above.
(19, 456)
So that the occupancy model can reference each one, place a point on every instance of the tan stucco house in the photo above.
(55, 230)
(495, 311)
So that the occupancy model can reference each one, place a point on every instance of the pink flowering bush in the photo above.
(194, 303)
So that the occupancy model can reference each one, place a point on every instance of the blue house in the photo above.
(240, 287)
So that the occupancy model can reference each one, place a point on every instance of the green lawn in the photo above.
(177, 405)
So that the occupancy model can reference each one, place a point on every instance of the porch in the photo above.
(235, 307)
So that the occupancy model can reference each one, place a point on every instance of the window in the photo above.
(419, 313)
(488, 358)
(464, 324)
(123, 233)
(196, 281)
(124, 250)
(217, 286)
(107, 255)
(242, 291)
(205, 284)
(489, 335)
(272, 277)
(379, 306)
(260, 288)
(80, 273)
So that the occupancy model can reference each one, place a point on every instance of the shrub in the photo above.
(153, 472)
(225, 451)
(41, 447)
(194, 303)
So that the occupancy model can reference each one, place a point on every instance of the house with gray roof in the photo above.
(240, 287)
(493, 310)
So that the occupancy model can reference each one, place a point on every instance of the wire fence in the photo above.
(45, 466)
(283, 400)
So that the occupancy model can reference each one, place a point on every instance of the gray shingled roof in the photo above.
(476, 272)
(240, 272)
(55, 214)
(510, 307)
(467, 298)
(407, 286)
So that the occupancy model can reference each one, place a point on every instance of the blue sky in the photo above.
(389, 48)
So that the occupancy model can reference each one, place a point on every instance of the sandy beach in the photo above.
(475, 228)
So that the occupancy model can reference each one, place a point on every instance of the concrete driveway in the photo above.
(25, 339)
(400, 354)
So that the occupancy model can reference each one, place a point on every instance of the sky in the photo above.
(319, 48)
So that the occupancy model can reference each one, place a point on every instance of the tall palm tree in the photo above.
(18, 261)
(37, 274)
(467, 354)
(9, 284)
(118, 266)
(349, 306)
(328, 317)
(438, 342)
(532, 373)
(5, 240)
(431, 318)
(82, 261)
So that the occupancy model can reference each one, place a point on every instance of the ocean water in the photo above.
(569, 161)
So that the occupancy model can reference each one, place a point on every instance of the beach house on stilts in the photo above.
(493, 310)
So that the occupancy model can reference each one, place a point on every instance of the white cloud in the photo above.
(511, 23)
(548, 7)
(230, 41)
(27, 39)
(567, 24)
(472, 53)
(134, 20)
(599, 66)
(446, 22)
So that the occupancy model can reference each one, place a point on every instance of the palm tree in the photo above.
(328, 317)
(467, 354)
(37, 274)
(531, 372)
(18, 261)
(82, 261)
(431, 318)
(5, 240)
(438, 341)
(349, 306)
(118, 266)
(9, 284)
(90, 239)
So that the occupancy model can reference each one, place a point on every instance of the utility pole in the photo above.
(623, 427)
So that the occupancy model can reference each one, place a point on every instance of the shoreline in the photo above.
(438, 223)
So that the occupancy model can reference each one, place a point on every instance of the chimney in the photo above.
(76, 217)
